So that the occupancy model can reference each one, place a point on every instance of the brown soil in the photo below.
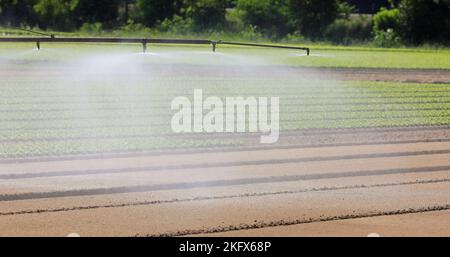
(437, 76)
(395, 75)
(431, 224)
(395, 182)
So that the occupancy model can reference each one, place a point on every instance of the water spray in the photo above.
(144, 41)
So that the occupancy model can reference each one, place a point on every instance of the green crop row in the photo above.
(90, 146)
(167, 99)
(146, 127)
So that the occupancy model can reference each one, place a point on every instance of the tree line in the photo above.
(406, 21)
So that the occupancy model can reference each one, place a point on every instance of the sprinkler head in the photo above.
(38, 45)
(144, 47)
(214, 45)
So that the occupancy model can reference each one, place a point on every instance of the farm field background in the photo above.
(85, 132)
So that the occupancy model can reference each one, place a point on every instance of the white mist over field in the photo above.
(70, 101)
(88, 102)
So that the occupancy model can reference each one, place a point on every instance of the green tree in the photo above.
(17, 12)
(104, 11)
(345, 9)
(154, 11)
(356, 29)
(57, 14)
(312, 17)
(425, 21)
(208, 14)
(269, 16)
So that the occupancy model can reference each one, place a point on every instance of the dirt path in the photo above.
(394, 75)
(436, 76)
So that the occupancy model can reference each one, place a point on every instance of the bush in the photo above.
(104, 11)
(250, 33)
(132, 29)
(154, 11)
(234, 22)
(208, 14)
(386, 27)
(18, 12)
(387, 39)
(176, 25)
(268, 16)
(357, 29)
(92, 28)
(312, 17)
(385, 20)
(424, 21)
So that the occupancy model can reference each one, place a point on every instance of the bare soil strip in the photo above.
(216, 192)
(212, 184)
(436, 76)
(279, 223)
(239, 157)
(46, 174)
(427, 224)
(286, 98)
(256, 91)
(137, 180)
(212, 198)
(346, 109)
(366, 173)
(242, 175)
(397, 75)
(286, 104)
(212, 216)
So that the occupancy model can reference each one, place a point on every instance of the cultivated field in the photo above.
(86, 144)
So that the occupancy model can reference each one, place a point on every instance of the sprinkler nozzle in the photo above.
(144, 47)
(38, 45)
(214, 45)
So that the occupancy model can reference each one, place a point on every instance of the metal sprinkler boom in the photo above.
(143, 41)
